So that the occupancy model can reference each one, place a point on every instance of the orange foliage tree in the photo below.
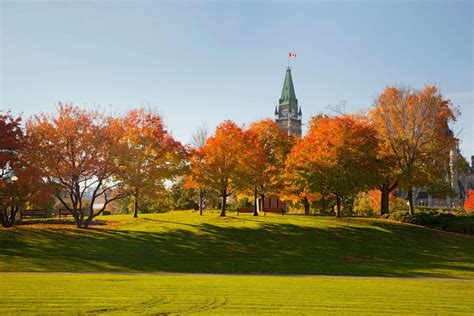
(415, 139)
(75, 153)
(148, 155)
(297, 189)
(267, 148)
(336, 157)
(469, 202)
(221, 163)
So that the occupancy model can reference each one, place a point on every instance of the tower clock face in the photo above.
(293, 113)
(284, 112)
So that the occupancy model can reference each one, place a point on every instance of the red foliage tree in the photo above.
(469, 202)
(11, 142)
(20, 180)
(75, 151)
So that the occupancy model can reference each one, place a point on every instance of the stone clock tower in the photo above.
(288, 114)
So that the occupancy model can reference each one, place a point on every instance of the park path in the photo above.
(246, 275)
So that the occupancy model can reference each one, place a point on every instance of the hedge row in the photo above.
(462, 224)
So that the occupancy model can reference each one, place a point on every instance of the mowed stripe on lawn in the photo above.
(170, 294)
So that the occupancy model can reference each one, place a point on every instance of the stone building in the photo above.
(460, 176)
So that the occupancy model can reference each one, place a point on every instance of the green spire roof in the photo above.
(288, 92)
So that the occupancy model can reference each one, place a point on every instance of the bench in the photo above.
(245, 210)
(65, 212)
(275, 210)
(34, 213)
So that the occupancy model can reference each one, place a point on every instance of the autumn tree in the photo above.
(254, 160)
(267, 148)
(297, 190)
(415, 137)
(75, 153)
(218, 165)
(297, 187)
(11, 142)
(198, 140)
(24, 188)
(389, 177)
(19, 179)
(148, 155)
(336, 157)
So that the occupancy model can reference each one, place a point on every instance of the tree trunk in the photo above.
(135, 205)
(2, 218)
(410, 200)
(338, 206)
(323, 201)
(90, 218)
(224, 202)
(80, 224)
(7, 219)
(306, 206)
(384, 198)
(79, 217)
(255, 211)
(87, 222)
(385, 191)
(201, 197)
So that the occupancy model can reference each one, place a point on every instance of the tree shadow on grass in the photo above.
(382, 249)
(55, 221)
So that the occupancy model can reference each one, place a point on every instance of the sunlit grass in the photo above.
(204, 294)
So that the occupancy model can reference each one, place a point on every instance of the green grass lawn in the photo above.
(202, 294)
(186, 242)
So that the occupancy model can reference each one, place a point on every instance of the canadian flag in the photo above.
(291, 55)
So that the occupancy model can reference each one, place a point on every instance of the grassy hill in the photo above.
(186, 242)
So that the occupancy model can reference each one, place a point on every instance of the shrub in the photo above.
(398, 205)
(363, 205)
(240, 203)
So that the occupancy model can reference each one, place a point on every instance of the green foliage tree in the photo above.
(182, 197)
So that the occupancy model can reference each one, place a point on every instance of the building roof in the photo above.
(422, 195)
(288, 91)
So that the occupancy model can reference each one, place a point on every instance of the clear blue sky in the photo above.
(202, 62)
